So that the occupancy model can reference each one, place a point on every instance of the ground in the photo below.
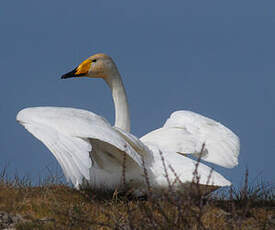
(59, 206)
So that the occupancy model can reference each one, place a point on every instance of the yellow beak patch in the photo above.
(83, 68)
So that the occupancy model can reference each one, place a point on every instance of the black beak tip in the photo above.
(69, 75)
(64, 76)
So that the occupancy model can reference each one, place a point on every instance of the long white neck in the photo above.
(122, 119)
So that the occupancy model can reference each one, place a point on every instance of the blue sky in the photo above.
(216, 58)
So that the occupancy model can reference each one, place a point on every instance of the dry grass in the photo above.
(53, 205)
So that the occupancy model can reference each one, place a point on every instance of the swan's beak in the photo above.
(69, 75)
(80, 71)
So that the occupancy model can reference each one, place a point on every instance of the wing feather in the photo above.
(68, 132)
(70, 152)
(186, 132)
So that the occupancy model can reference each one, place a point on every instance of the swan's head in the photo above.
(96, 66)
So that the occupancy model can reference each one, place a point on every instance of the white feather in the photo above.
(68, 134)
(186, 132)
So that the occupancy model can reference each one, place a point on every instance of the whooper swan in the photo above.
(88, 148)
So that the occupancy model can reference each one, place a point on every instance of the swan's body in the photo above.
(88, 147)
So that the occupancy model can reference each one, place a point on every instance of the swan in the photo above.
(89, 149)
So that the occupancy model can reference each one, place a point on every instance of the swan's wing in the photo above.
(70, 133)
(72, 153)
(185, 132)
(182, 168)
(136, 143)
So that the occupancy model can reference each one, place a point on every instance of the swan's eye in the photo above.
(94, 60)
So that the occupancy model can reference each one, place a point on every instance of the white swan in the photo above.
(88, 147)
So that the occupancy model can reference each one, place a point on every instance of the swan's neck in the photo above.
(122, 119)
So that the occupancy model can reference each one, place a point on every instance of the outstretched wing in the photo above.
(70, 134)
(185, 132)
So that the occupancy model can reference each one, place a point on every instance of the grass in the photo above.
(55, 205)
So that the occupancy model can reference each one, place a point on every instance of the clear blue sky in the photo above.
(216, 58)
